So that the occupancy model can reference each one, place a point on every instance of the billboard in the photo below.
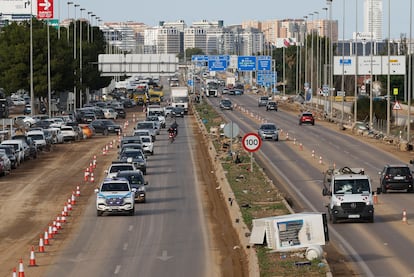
(246, 63)
(285, 42)
(16, 7)
(377, 65)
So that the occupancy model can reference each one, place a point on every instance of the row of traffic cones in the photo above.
(56, 225)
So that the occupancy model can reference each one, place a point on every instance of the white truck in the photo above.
(350, 193)
(115, 196)
(179, 97)
(230, 82)
(212, 87)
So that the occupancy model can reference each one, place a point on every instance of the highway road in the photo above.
(382, 248)
(167, 234)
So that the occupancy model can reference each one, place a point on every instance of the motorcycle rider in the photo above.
(174, 127)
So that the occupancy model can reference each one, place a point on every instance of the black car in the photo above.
(106, 126)
(226, 104)
(136, 180)
(396, 177)
(121, 112)
(177, 112)
(136, 157)
(271, 106)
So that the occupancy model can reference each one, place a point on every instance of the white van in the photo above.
(18, 147)
(38, 137)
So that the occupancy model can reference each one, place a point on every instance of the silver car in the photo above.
(268, 131)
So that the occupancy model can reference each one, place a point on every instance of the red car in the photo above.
(306, 118)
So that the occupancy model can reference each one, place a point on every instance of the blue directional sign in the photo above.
(190, 83)
(217, 63)
(264, 63)
(246, 63)
(266, 78)
(345, 61)
(199, 58)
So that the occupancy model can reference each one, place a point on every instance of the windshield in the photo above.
(178, 99)
(115, 187)
(120, 168)
(354, 186)
(145, 126)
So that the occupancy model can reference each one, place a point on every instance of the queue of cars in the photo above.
(125, 183)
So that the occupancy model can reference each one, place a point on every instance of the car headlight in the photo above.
(110, 128)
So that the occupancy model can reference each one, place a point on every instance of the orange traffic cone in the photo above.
(32, 261)
(69, 206)
(41, 245)
(21, 268)
(404, 217)
(375, 197)
(103, 151)
(86, 174)
(77, 191)
(92, 178)
(14, 272)
(50, 231)
(73, 199)
(46, 238)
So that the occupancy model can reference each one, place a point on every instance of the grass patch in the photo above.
(257, 198)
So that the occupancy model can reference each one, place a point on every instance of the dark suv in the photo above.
(396, 177)
(106, 126)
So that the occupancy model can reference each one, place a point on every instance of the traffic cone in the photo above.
(92, 178)
(46, 238)
(32, 261)
(404, 217)
(55, 229)
(69, 206)
(50, 231)
(73, 199)
(103, 151)
(77, 191)
(14, 272)
(110, 145)
(94, 162)
(21, 268)
(41, 245)
(320, 160)
(300, 147)
(58, 225)
(313, 153)
(294, 141)
(86, 174)
(63, 218)
(375, 197)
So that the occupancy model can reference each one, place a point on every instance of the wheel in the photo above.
(371, 219)
(131, 212)
(277, 138)
(333, 219)
(144, 172)
(383, 189)
(99, 213)
(105, 132)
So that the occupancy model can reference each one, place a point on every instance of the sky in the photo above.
(232, 12)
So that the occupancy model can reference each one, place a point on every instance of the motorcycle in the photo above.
(171, 137)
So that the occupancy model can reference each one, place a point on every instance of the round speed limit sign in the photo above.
(251, 142)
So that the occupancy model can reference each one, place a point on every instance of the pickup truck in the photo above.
(115, 195)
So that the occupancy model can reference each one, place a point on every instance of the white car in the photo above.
(168, 111)
(25, 120)
(147, 144)
(116, 167)
(110, 113)
(57, 136)
(115, 196)
(68, 133)
(38, 137)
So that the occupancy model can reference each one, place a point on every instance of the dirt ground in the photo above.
(33, 195)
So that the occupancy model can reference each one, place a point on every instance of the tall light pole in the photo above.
(93, 15)
(74, 57)
(311, 56)
(89, 25)
(306, 49)
(388, 73)
(31, 58)
(69, 3)
(80, 58)
(49, 89)
(409, 75)
(343, 63)
(317, 53)
(371, 30)
(329, 2)
(356, 64)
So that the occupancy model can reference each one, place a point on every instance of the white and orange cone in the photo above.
(41, 245)
(21, 268)
(404, 217)
(32, 261)
(46, 238)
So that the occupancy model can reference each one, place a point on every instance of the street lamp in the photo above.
(343, 63)
(69, 3)
(74, 57)
(409, 76)
(329, 2)
(311, 57)
(31, 58)
(388, 73)
(89, 25)
(356, 64)
(80, 58)
(317, 52)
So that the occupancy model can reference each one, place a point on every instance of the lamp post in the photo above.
(317, 53)
(311, 58)
(31, 59)
(93, 15)
(69, 3)
(388, 73)
(74, 57)
(343, 63)
(306, 50)
(329, 2)
(356, 64)
(89, 25)
(409, 76)
(80, 57)
(325, 68)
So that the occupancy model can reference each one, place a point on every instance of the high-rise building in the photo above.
(373, 18)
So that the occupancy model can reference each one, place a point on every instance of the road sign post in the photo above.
(251, 143)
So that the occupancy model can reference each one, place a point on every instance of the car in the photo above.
(225, 91)
(29, 146)
(110, 113)
(6, 163)
(57, 136)
(271, 106)
(396, 177)
(115, 196)
(177, 112)
(27, 109)
(268, 131)
(147, 144)
(262, 101)
(68, 133)
(306, 118)
(117, 166)
(226, 104)
(157, 121)
(106, 127)
(18, 148)
(39, 138)
(168, 110)
(136, 157)
(87, 130)
(25, 120)
(136, 180)
(11, 153)
(147, 125)
(121, 112)
(142, 132)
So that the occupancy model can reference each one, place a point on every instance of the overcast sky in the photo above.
(151, 12)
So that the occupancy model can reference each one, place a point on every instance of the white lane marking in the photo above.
(130, 228)
(125, 246)
(117, 269)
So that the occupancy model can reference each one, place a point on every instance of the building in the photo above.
(373, 18)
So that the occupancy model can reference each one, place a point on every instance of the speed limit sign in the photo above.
(251, 142)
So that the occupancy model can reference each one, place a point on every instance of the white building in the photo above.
(373, 18)
(195, 37)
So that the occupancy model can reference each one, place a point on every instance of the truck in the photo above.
(179, 97)
(230, 81)
(350, 194)
(212, 87)
(115, 195)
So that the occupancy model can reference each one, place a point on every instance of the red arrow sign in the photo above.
(44, 9)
